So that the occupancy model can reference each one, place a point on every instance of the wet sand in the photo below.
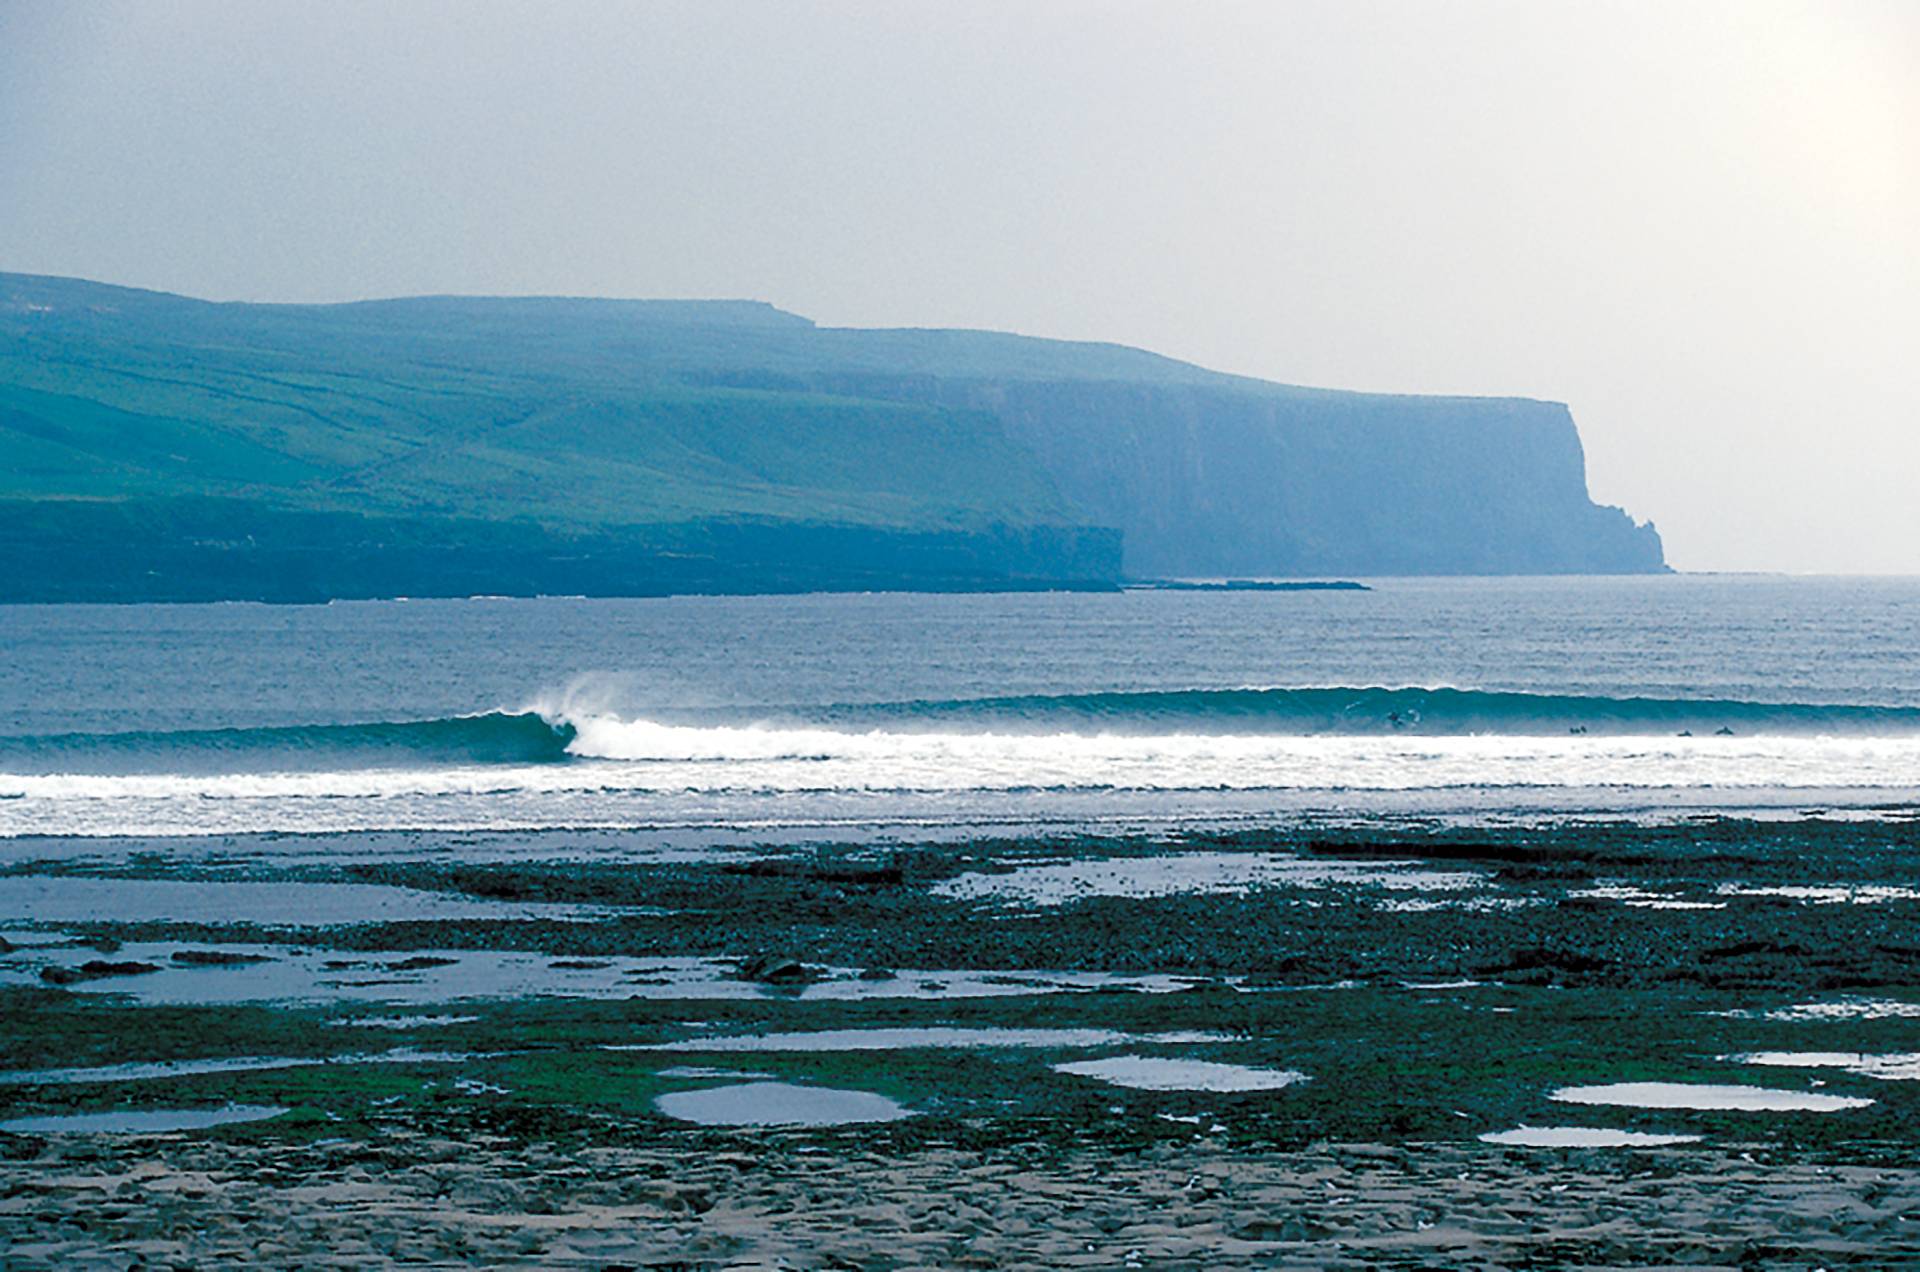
(758, 1202)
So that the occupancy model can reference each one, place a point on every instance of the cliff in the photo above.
(1253, 479)
(159, 447)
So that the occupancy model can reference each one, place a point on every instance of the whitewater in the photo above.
(1484, 696)
(607, 771)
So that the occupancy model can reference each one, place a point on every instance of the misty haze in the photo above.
(831, 634)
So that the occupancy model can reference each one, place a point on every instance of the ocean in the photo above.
(852, 714)
(1536, 883)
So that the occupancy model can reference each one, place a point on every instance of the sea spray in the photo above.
(585, 756)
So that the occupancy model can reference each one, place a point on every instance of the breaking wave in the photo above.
(493, 737)
(555, 733)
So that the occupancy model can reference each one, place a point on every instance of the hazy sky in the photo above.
(1699, 224)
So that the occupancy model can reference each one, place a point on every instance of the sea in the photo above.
(881, 713)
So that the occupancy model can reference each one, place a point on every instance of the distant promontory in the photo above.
(155, 447)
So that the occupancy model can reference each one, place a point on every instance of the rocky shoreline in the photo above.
(479, 1057)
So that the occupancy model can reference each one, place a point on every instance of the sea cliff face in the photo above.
(1211, 481)
(158, 447)
(1244, 478)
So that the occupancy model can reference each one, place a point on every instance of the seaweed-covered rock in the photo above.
(778, 969)
(420, 962)
(218, 958)
(94, 969)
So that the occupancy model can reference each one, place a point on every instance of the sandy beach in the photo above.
(759, 1202)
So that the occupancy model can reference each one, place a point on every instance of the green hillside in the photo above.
(412, 408)
(156, 445)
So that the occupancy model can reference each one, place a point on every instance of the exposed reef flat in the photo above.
(1306, 1046)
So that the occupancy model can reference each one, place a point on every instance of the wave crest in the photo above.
(1380, 709)
(492, 737)
(557, 731)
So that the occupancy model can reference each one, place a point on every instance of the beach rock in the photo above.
(1541, 958)
(94, 969)
(1279, 1228)
(420, 963)
(861, 874)
(218, 958)
(778, 969)
(1593, 904)
(1757, 949)
(668, 1195)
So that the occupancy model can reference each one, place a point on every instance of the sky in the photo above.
(1696, 223)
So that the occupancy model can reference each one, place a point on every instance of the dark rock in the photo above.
(1543, 958)
(1750, 949)
(100, 967)
(1279, 1228)
(778, 969)
(870, 876)
(420, 962)
(94, 969)
(218, 958)
(1586, 903)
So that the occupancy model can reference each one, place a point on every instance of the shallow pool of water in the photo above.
(1643, 898)
(1160, 1073)
(900, 1039)
(79, 899)
(1898, 1066)
(779, 1104)
(1056, 883)
(147, 1071)
(1582, 1137)
(704, 1072)
(139, 1121)
(1862, 894)
(311, 975)
(1843, 1009)
(1708, 1097)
